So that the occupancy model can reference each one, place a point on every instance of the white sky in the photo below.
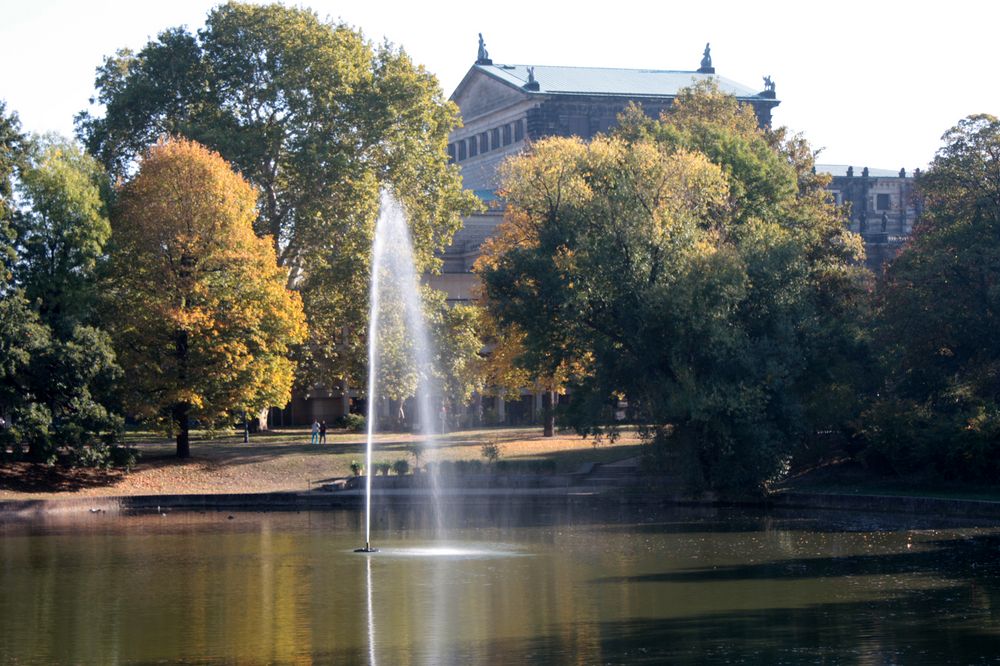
(873, 83)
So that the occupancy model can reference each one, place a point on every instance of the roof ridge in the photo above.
(627, 69)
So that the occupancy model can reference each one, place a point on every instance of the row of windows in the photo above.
(486, 141)
(882, 201)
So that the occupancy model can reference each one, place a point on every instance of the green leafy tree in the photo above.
(317, 119)
(939, 412)
(61, 230)
(694, 266)
(455, 333)
(12, 153)
(60, 368)
(204, 321)
(21, 334)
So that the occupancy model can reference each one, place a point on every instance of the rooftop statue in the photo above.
(532, 83)
(484, 55)
(768, 84)
(706, 58)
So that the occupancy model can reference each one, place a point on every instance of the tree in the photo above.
(317, 119)
(20, 333)
(61, 230)
(692, 265)
(59, 370)
(938, 412)
(12, 151)
(205, 323)
(455, 334)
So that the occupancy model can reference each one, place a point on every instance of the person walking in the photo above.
(315, 432)
(322, 432)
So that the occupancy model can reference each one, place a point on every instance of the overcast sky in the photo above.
(871, 83)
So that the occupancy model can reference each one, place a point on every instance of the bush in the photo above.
(354, 422)
(416, 449)
(357, 468)
(401, 467)
(382, 468)
(492, 450)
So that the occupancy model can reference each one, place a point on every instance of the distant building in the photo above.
(503, 106)
(882, 206)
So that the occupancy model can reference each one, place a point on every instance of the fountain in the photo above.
(396, 316)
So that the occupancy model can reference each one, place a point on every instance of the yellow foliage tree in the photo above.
(204, 321)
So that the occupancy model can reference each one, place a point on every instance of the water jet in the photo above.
(396, 314)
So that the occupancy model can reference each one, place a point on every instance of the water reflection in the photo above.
(536, 584)
(371, 613)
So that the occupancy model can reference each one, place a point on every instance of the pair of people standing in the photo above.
(318, 432)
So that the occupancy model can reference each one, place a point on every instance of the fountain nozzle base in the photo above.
(366, 549)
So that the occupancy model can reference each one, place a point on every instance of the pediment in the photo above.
(480, 93)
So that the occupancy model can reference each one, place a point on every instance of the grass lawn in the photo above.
(283, 460)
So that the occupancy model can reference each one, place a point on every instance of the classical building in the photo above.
(504, 106)
(882, 207)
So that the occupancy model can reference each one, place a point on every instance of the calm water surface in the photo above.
(522, 583)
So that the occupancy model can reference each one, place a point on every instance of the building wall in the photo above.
(883, 209)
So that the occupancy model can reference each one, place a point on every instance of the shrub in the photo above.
(357, 468)
(401, 467)
(354, 422)
(492, 450)
(416, 450)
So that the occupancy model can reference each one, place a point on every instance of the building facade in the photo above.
(882, 206)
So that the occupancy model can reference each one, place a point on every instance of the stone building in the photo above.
(504, 106)
(882, 207)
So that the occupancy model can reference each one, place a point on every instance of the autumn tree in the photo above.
(317, 119)
(938, 412)
(697, 268)
(204, 320)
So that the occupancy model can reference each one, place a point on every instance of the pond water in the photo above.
(530, 582)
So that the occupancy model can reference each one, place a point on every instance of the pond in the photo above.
(526, 582)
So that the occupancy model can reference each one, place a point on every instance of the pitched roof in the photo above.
(609, 81)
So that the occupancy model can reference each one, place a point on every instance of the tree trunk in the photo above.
(548, 414)
(262, 419)
(182, 416)
(182, 410)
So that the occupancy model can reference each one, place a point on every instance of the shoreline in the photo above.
(319, 500)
